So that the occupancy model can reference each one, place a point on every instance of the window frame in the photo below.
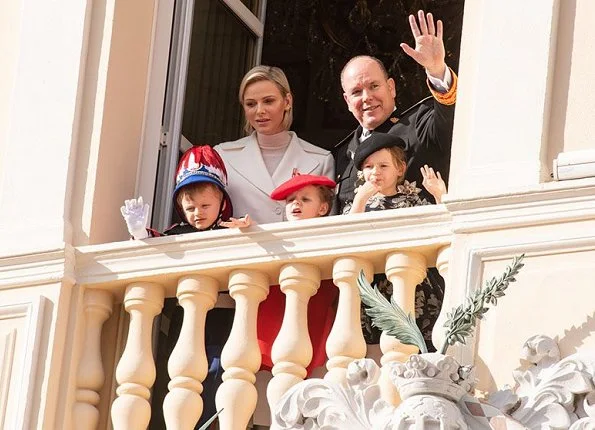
(164, 100)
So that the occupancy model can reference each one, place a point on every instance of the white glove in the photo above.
(136, 215)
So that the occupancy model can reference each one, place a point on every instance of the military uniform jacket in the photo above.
(250, 184)
(426, 129)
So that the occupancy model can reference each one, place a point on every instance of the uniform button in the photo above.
(278, 210)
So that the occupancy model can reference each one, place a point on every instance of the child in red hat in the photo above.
(306, 196)
(203, 204)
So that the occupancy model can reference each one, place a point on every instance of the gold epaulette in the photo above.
(448, 98)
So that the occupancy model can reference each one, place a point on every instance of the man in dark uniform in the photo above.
(426, 127)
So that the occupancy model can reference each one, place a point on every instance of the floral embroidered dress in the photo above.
(429, 294)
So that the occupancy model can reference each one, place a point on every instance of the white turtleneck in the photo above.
(272, 147)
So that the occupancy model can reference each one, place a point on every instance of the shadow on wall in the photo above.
(574, 337)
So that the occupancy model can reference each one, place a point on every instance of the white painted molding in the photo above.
(37, 268)
(33, 313)
(7, 348)
(321, 240)
(527, 206)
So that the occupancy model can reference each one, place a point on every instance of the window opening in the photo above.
(214, 43)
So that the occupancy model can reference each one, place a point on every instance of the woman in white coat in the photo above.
(262, 161)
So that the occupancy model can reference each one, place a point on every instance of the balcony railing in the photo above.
(194, 268)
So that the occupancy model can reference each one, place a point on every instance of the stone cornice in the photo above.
(551, 202)
(268, 246)
(37, 268)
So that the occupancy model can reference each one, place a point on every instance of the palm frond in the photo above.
(389, 316)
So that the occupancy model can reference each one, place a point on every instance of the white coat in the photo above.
(250, 184)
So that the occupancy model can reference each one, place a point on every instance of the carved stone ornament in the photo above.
(552, 393)
(435, 392)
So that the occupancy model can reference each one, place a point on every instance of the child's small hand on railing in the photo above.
(243, 222)
(433, 182)
(136, 215)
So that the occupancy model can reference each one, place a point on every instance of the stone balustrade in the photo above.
(235, 261)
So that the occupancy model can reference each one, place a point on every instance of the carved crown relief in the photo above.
(552, 393)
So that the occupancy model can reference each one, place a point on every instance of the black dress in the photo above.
(429, 293)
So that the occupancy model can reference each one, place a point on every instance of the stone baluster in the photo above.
(187, 365)
(346, 340)
(241, 355)
(135, 373)
(404, 270)
(292, 350)
(97, 306)
(442, 264)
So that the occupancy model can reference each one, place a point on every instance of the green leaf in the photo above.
(462, 320)
(389, 316)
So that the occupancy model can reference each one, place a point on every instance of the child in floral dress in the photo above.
(381, 164)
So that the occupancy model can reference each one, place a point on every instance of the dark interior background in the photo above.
(311, 40)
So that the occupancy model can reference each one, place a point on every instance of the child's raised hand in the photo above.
(368, 189)
(363, 193)
(433, 182)
(136, 215)
(243, 222)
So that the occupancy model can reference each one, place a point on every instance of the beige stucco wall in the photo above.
(553, 296)
(573, 95)
(9, 28)
(503, 101)
(40, 122)
(112, 118)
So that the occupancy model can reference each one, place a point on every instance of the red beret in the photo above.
(298, 182)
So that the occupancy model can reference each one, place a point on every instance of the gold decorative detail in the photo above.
(448, 98)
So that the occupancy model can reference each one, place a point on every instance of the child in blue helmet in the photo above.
(203, 204)
(199, 197)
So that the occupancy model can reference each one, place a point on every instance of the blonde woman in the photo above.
(267, 157)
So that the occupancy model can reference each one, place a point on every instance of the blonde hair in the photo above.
(277, 77)
(190, 189)
(327, 195)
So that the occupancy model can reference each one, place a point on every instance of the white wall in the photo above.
(40, 123)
